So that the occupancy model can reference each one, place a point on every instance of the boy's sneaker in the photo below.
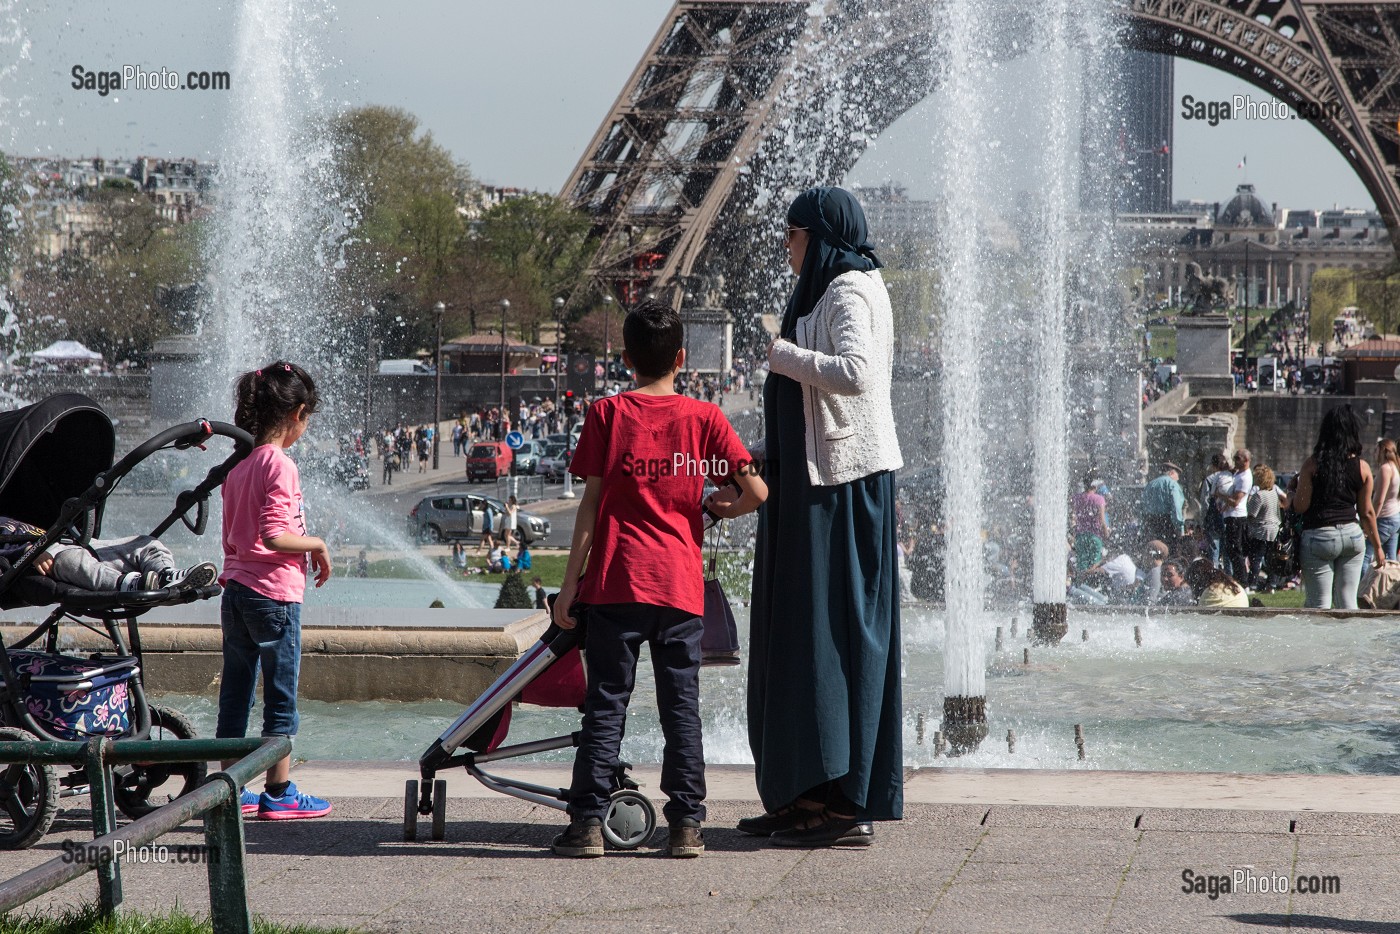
(582, 838)
(292, 805)
(687, 839)
(191, 578)
(248, 801)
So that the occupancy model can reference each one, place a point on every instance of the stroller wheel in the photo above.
(28, 797)
(140, 789)
(410, 810)
(630, 821)
(439, 810)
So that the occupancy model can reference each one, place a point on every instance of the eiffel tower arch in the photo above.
(731, 90)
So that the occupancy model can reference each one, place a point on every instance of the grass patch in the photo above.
(548, 567)
(1283, 599)
(734, 570)
(89, 920)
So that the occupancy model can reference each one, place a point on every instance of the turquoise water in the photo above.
(1201, 694)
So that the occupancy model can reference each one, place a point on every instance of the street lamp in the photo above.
(689, 367)
(505, 307)
(438, 309)
(607, 339)
(558, 348)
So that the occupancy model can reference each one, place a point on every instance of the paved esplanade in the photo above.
(979, 851)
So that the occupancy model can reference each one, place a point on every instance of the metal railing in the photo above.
(525, 489)
(217, 800)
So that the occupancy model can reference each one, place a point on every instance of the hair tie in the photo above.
(287, 367)
(257, 372)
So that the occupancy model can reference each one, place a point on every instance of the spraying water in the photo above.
(1050, 425)
(960, 134)
(276, 237)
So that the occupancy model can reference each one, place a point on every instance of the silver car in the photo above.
(448, 517)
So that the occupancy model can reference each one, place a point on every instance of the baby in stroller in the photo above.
(138, 562)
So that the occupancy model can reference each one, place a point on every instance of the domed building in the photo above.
(1245, 210)
(1270, 254)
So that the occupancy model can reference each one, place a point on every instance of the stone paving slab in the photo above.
(945, 867)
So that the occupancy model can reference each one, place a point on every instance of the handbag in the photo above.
(719, 645)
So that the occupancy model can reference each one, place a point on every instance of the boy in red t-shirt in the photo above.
(646, 455)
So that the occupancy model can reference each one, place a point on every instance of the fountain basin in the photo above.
(349, 654)
(1248, 691)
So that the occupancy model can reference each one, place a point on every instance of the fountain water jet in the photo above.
(1052, 474)
(960, 134)
(279, 229)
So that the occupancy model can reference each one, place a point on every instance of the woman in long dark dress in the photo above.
(824, 711)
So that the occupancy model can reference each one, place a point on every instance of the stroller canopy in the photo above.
(50, 451)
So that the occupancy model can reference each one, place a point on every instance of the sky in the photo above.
(516, 90)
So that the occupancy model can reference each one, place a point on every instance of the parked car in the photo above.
(449, 517)
(555, 460)
(488, 460)
(527, 457)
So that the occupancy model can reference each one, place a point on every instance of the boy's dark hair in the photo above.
(653, 335)
(263, 399)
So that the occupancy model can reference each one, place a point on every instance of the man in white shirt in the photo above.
(1234, 507)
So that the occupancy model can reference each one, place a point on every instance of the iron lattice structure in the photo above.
(731, 95)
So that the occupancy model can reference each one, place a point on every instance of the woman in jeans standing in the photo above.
(1334, 490)
(1387, 501)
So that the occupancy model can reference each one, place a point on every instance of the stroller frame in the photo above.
(79, 520)
(631, 817)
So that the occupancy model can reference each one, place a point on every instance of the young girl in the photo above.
(266, 552)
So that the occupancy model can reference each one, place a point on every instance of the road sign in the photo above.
(515, 440)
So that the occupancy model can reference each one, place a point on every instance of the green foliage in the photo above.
(89, 920)
(514, 595)
(1378, 297)
(539, 246)
(406, 190)
(103, 294)
(1332, 290)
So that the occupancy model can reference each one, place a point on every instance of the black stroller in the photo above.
(56, 473)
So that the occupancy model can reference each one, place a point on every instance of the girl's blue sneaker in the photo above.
(292, 805)
(249, 802)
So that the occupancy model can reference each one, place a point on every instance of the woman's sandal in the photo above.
(784, 818)
(823, 828)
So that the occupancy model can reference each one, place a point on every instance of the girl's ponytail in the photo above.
(264, 399)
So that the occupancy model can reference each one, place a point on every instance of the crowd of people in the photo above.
(1325, 528)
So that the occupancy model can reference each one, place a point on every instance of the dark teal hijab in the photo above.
(838, 242)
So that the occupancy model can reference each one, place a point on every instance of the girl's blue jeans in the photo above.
(259, 633)
(1389, 529)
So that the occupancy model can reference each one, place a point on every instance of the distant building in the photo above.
(1147, 132)
(59, 216)
(1272, 254)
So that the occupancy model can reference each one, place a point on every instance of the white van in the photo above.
(403, 368)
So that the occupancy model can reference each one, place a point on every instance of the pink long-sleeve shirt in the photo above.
(262, 500)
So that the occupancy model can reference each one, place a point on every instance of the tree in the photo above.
(406, 191)
(1331, 291)
(1378, 296)
(513, 595)
(540, 245)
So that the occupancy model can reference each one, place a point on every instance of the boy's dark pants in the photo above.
(614, 636)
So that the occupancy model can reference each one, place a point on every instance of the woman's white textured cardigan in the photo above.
(843, 355)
